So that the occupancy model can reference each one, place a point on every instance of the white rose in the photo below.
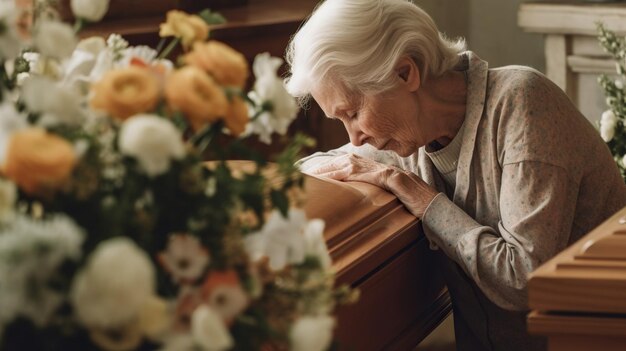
(90, 10)
(209, 331)
(54, 39)
(56, 103)
(112, 288)
(153, 141)
(311, 333)
(608, 122)
(269, 90)
(619, 84)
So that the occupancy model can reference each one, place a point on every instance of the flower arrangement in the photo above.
(613, 120)
(114, 232)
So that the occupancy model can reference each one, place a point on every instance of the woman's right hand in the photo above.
(411, 190)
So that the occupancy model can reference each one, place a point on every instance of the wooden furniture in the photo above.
(377, 247)
(574, 59)
(578, 298)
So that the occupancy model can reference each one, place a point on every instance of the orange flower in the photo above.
(237, 116)
(223, 292)
(38, 161)
(126, 92)
(226, 65)
(189, 28)
(193, 92)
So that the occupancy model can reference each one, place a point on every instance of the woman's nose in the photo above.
(357, 137)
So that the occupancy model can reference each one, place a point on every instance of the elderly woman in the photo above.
(500, 167)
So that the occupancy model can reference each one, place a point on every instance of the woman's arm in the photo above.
(536, 209)
(537, 206)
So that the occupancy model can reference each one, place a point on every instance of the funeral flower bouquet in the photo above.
(613, 120)
(114, 232)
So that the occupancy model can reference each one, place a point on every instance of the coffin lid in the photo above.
(589, 276)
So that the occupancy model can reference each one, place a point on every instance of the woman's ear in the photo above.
(409, 73)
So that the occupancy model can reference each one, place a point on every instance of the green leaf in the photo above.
(280, 201)
(211, 17)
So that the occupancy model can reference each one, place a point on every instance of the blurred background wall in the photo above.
(490, 28)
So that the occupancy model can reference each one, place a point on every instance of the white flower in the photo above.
(311, 333)
(185, 258)
(10, 43)
(105, 61)
(117, 44)
(77, 70)
(269, 92)
(178, 342)
(114, 284)
(608, 122)
(10, 121)
(8, 195)
(280, 240)
(31, 251)
(127, 337)
(619, 84)
(209, 331)
(315, 242)
(33, 61)
(54, 39)
(56, 104)
(143, 53)
(90, 10)
(153, 141)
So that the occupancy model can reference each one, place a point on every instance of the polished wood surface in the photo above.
(377, 246)
(578, 298)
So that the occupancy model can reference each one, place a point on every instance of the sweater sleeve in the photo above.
(537, 206)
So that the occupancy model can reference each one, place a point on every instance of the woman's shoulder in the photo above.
(520, 79)
(535, 119)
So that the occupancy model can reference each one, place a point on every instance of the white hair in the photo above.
(358, 42)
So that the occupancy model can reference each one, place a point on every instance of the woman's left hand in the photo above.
(354, 167)
(411, 190)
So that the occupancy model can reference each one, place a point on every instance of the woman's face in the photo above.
(387, 121)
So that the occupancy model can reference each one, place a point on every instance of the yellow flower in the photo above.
(237, 116)
(38, 161)
(126, 92)
(154, 318)
(189, 28)
(226, 65)
(193, 92)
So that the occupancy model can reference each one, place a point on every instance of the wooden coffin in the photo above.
(578, 299)
(377, 247)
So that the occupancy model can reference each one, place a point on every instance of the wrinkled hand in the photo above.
(410, 189)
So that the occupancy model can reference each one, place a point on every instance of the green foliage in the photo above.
(614, 124)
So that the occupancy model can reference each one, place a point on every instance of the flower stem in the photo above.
(169, 48)
(78, 25)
